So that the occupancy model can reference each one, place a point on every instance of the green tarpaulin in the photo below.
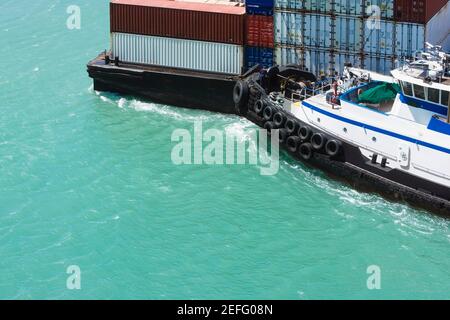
(379, 94)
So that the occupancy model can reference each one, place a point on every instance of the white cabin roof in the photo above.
(415, 76)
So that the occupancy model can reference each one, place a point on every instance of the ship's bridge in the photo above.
(425, 85)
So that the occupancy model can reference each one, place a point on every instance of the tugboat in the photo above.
(388, 134)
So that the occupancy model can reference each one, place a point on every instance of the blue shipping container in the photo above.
(260, 7)
(260, 11)
(257, 55)
(261, 3)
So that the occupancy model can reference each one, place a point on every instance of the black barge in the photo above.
(169, 86)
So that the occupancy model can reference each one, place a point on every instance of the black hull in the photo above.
(206, 91)
(358, 171)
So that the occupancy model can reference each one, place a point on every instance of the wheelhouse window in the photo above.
(434, 95)
(419, 92)
(407, 88)
(444, 99)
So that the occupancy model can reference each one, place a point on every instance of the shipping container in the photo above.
(325, 62)
(177, 19)
(316, 61)
(409, 38)
(289, 28)
(417, 11)
(374, 8)
(178, 53)
(340, 7)
(298, 29)
(260, 7)
(348, 33)
(378, 38)
(258, 55)
(353, 35)
(259, 31)
(380, 64)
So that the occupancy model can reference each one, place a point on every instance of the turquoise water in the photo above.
(86, 179)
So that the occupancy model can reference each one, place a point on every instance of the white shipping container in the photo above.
(178, 53)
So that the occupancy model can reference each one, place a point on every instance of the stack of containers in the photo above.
(259, 33)
(176, 34)
(323, 35)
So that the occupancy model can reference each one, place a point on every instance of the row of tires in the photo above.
(299, 138)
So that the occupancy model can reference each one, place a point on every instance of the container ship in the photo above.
(389, 134)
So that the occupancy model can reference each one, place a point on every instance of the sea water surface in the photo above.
(86, 179)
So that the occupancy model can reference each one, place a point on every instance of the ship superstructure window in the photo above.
(407, 88)
(419, 92)
(434, 95)
(444, 99)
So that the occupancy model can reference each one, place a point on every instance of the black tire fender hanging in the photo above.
(241, 96)
(304, 133)
(259, 106)
(318, 141)
(333, 148)
(268, 113)
(306, 151)
(291, 126)
(292, 143)
(279, 119)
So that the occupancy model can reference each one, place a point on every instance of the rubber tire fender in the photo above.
(279, 119)
(291, 126)
(241, 95)
(306, 151)
(333, 148)
(268, 113)
(292, 143)
(318, 141)
(304, 132)
(259, 106)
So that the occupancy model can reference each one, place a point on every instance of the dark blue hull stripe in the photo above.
(375, 129)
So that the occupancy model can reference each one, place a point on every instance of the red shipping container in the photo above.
(259, 31)
(417, 11)
(177, 19)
